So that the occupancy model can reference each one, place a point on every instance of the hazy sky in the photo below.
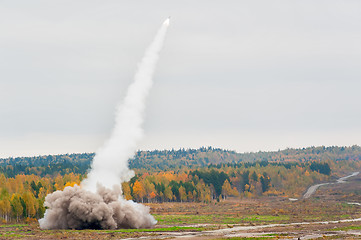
(241, 75)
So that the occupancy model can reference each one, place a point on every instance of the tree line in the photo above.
(24, 185)
(161, 160)
(22, 196)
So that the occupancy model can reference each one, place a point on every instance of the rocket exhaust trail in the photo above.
(98, 203)
(110, 164)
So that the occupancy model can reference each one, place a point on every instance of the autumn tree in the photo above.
(182, 194)
(16, 206)
(226, 189)
(168, 194)
(266, 182)
(149, 190)
(126, 191)
(30, 203)
(138, 191)
(5, 208)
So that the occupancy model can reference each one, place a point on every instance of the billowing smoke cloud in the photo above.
(77, 208)
(98, 203)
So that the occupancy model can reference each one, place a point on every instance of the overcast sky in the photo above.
(241, 75)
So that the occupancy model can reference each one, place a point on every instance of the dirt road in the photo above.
(311, 190)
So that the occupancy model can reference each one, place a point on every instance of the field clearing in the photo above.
(179, 219)
(254, 211)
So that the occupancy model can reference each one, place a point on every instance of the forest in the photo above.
(192, 175)
(160, 160)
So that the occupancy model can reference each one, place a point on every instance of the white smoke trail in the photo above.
(110, 164)
(99, 203)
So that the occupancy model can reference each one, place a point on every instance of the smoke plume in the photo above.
(98, 202)
(110, 164)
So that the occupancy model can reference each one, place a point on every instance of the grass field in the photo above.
(218, 218)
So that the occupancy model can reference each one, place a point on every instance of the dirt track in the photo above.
(311, 190)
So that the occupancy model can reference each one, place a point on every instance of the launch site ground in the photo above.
(332, 212)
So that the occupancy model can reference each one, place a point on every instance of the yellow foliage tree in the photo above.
(182, 194)
(138, 190)
(126, 191)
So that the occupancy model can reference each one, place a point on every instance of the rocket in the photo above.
(166, 22)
